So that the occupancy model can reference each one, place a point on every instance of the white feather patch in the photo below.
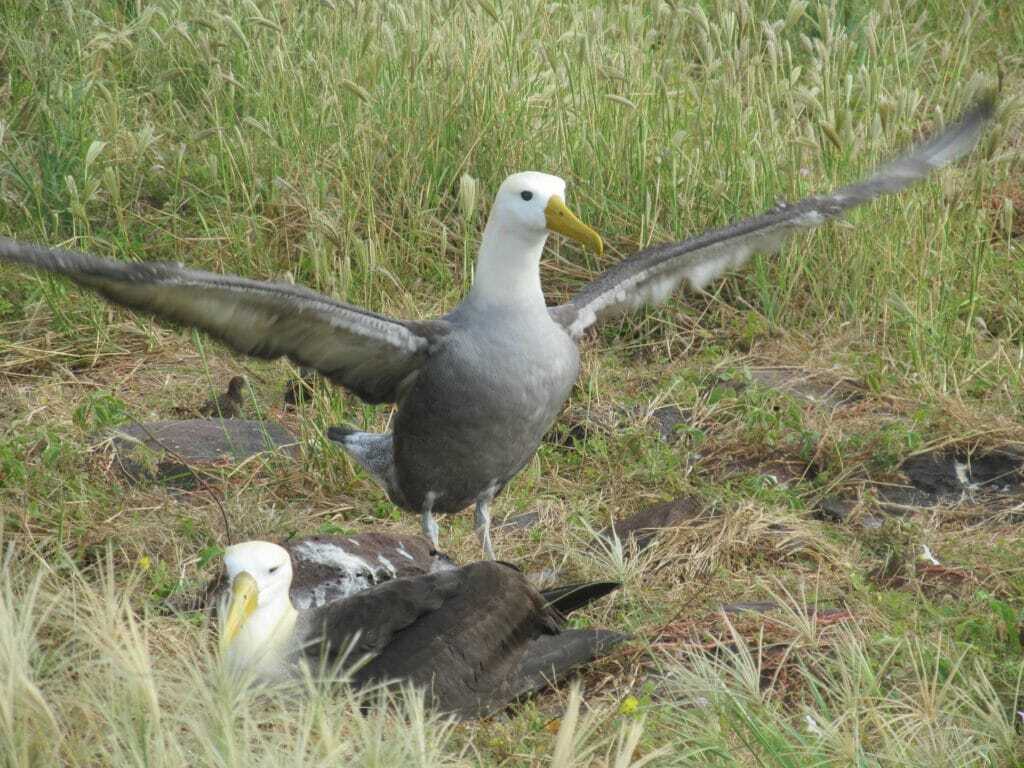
(352, 573)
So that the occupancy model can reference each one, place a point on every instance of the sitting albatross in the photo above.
(474, 638)
(478, 388)
(329, 568)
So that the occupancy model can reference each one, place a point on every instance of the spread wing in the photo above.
(653, 274)
(368, 354)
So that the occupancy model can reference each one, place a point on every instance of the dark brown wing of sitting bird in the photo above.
(459, 634)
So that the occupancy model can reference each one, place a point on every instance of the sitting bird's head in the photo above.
(258, 614)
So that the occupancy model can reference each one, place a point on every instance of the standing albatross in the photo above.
(479, 387)
(474, 638)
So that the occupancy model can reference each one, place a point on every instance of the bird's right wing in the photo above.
(368, 354)
(654, 274)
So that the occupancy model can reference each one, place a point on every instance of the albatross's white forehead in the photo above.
(543, 185)
(255, 557)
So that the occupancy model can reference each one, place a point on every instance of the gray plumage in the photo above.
(478, 388)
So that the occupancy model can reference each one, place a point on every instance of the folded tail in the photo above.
(572, 597)
(374, 452)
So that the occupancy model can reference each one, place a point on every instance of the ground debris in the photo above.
(990, 480)
(773, 634)
(643, 527)
(816, 388)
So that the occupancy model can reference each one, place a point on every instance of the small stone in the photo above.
(644, 526)
(834, 509)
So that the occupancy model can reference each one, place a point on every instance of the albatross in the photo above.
(478, 388)
(328, 568)
(474, 637)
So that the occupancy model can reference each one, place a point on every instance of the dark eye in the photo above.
(527, 195)
(273, 569)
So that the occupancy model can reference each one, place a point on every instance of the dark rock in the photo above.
(668, 418)
(934, 474)
(946, 476)
(949, 473)
(835, 509)
(644, 526)
(178, 452)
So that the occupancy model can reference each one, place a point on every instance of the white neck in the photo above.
(508, 267)
(261, 643)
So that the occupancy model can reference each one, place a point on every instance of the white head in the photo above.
(527, 207)
(259, 611)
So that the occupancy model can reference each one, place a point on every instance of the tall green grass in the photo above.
(327, 140)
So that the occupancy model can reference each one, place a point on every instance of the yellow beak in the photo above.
(563, 221)
(244, 597)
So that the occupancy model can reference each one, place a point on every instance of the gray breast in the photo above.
(476, 414)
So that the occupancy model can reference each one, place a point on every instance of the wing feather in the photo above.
(655, 273)
(367, 353)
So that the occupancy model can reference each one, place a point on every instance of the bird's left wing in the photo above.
(367, 353)
(459, 634)
(653, 274)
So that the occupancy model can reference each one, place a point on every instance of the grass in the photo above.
(354, 147)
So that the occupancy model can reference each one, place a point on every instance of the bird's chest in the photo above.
(478, 410)
(508, 381)
(523, 375)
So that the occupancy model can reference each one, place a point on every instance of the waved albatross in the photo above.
(479, 387)
(326, 568)
(474, 637)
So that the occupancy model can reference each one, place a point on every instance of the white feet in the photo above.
(427, 521)
(483, 521)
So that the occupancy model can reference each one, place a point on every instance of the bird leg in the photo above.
(427, 521)
(483, 520)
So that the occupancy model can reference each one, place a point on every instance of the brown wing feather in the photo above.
(459, 634)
